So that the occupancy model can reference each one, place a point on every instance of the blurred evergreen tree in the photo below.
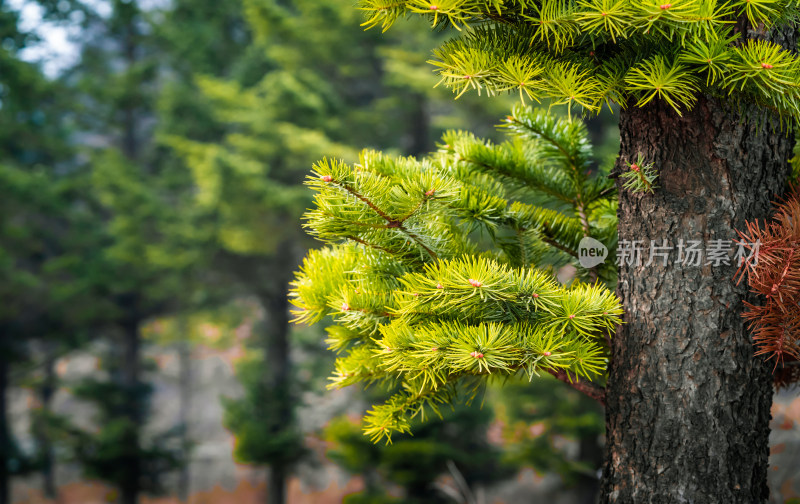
(415, 463)
(307, 84)
(37, 297)
(552, 430)
(246, 106)
(132, 283)
(133, 271)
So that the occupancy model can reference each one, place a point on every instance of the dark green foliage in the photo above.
(40, 301)
(261, 437)
(415, 463)
(118, 219)
(537, 415)
(108, 453)
(117, 447)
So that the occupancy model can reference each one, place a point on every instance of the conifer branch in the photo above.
(370, 245)
(640, 177)
(373, 206)
(506, 171)
(430, 325)
(588, 389)
(773, 271)
(418, 241)
(552, 50)
(560, 247)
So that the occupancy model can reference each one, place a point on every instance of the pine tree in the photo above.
(242, 188)
(537, 417)
(133, 275)
(295, 93)
(132, 282)
(708, 93)
(415, 463)
(37, 305)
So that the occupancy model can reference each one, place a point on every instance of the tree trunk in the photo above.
(185, 387)
(590, 453)
(131, 380)
(420, 126)
(276, 376)
(269, 281)
(276, 484)
(5, 438)
(688, 405)
(46, 456)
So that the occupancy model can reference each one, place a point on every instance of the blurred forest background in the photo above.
(150, 203)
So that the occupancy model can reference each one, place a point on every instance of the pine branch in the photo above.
(550, 50)
(560, 247)
(640, 177)
(588, 389)
(370, 245)
(773, 271)
(391, 222)
(458, 314)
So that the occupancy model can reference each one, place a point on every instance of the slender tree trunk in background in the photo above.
(5, 441)
(269, 282)
(131, 365)
(185, 387)
(131, 380)
(276, 376)
(276, 484)
(46, 455)
(688, 405)
(420, 127)
(590, 452)
(277, 370)
(130, 145)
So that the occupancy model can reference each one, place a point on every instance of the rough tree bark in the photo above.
(688, 406)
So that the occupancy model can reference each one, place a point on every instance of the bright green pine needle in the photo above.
(587, 53)
(658, 77)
